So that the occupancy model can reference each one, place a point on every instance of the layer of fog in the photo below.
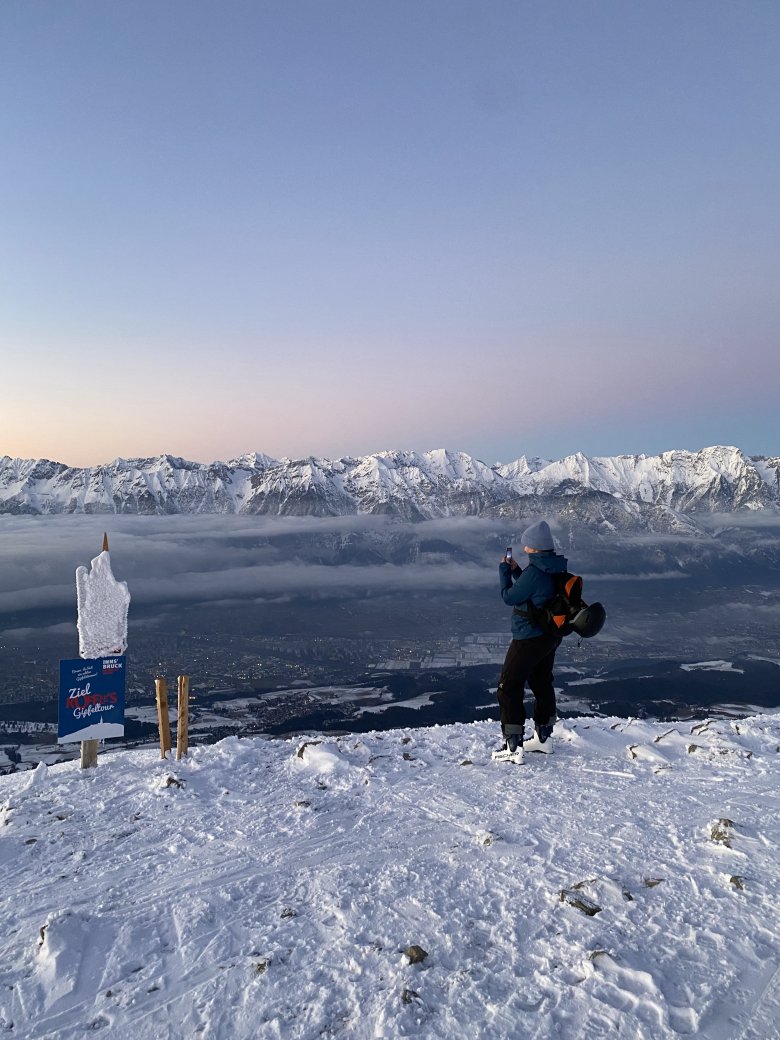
(224, 561)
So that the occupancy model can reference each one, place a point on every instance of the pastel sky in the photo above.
(329, 227)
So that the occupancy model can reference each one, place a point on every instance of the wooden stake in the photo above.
(89, 754)
(89, 748)
(163, 721)
(183, 729)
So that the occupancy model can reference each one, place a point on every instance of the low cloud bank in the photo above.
(223, 561)
(213, 559)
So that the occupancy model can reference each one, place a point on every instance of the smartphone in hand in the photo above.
(508, 553)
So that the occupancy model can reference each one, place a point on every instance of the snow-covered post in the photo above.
(103, 603)
(183, 728)
(163, 719)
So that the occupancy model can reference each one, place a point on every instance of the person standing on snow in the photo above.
(531, 653)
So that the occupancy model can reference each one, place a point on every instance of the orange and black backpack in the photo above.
(566, 611)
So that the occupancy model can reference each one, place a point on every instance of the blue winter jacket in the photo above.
(534, 583)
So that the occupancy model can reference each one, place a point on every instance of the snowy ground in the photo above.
(626, 886)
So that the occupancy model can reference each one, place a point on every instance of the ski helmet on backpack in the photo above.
(589, 621)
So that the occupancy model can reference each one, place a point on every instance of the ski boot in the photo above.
(512, 751)
(542, 738)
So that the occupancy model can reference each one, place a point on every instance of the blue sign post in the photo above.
(92, 699)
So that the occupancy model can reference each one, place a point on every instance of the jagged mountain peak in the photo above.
(250, 460)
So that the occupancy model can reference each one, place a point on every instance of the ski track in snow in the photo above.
(274, 893)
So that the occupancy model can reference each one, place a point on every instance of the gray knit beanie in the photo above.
(538, 536)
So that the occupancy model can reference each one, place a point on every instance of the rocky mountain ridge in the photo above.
(659, 492)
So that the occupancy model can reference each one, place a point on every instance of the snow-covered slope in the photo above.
(624, 491)
(624, 886)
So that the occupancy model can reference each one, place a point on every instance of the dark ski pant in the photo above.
(531, 661)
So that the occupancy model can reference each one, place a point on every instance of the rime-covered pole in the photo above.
(102, 603)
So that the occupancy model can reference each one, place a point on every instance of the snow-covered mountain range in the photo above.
(623, 491)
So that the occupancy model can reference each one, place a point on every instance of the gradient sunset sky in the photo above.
(330, 228)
